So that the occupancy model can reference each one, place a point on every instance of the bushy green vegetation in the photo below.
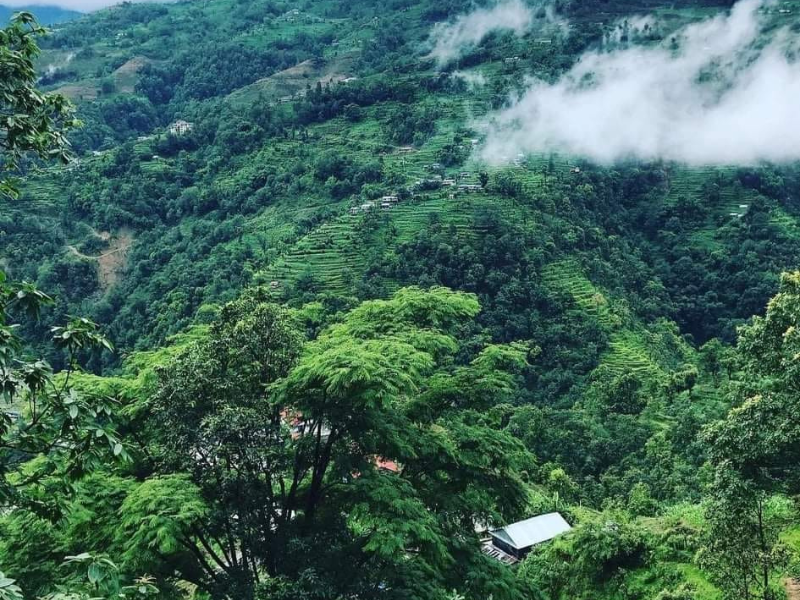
(333, 365)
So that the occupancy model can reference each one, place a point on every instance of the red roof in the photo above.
(386, 465)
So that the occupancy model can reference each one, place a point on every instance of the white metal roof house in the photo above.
(517, 539)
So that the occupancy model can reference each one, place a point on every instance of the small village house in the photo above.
(299, 426)
(513, 542)
(366, 207)
(180, 127)
(385, 465)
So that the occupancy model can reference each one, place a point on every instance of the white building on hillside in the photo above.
(180, 127)
(512, 543)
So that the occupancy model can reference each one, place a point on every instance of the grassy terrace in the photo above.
(701, 182)
(627, 351)
(567, 277)
(41, 193)
(332, 254)
(329, 255)
(335, 252)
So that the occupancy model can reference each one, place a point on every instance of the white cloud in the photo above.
(473, 79)
(453, 39)
(718, 98)
(631, 29)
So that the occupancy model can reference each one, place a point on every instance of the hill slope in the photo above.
(316, 157)
(332, 108)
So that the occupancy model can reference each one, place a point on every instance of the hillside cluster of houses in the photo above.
(384, 203)
(462, 182)
(430, 183)
(741, 212)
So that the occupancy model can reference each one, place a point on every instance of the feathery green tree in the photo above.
(360, 447)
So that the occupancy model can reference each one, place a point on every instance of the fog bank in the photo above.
(451, 40)
(714, 98)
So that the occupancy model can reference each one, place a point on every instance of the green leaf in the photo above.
(95, 573)
(84, 556)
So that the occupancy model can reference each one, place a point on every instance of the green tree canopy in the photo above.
(306, 456)
(31, 122)
(756, 450)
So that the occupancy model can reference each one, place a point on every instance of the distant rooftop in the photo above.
(530, 532)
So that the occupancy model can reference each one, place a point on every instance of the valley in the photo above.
(327, 304)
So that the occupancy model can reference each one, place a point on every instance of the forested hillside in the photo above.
(328, 322)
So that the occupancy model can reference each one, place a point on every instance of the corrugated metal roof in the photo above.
(535, 530)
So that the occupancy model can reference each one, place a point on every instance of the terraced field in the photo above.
(567, 277)
(331, 254)
(154, 167)
(719, 189)
(41, 193)
(627, 352)
(334, 253)
(692, 183)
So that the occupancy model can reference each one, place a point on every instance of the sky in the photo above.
(81, 5)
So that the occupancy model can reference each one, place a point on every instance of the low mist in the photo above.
(453, 39)
(711, 94)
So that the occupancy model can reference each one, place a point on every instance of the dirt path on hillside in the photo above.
(792, 587)
(111, 262)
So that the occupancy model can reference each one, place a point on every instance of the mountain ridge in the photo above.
(46, 15)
